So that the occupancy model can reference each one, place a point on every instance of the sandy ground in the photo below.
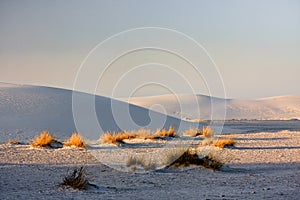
(261, 166)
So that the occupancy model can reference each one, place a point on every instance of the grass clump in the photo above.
(76, 180)
(76, 140)
(224, 142)
(192, 132)
(114, 138)
(164, 133)
(44, 140)
(190, 157)
(118, 138)
(184, 159)
(208, 132)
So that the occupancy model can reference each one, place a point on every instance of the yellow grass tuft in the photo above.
(208, 132)
(224, 142)
(117, 138)
(114, 138)
(76, 140)
(165, 133)
(43, 140)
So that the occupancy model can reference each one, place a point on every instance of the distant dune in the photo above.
(26, 110)
(186, 106)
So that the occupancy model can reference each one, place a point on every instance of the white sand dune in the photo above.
(185, 106)
(267, 162)
(26, 110)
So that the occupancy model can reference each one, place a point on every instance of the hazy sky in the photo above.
(255, 44)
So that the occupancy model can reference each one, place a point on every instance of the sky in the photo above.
(255, 46)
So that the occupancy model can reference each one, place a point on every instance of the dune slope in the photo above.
(26, 110)
(186, 106)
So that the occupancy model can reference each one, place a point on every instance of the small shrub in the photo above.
(224, 142)
(191, 158)
(76, 141)
(208, 132)
(185, 159)
(44, 140)
(76, 180)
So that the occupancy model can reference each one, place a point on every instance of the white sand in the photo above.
(262, 166)
(191, 107)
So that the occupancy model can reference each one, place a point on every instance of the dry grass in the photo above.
(117, 138)
(212, 163)
(192, 132)
(191, 158)
(221, 142)
(164, 133)
(114, 138)
(14, 141)
(172, 154)
(213, 157)
(140, 134)
(43, 140)
(208, 132)
(76, 140)
(185, 159)
(224, 142)
(76, 180)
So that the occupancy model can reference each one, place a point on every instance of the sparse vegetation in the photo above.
(212, 157)
(185, 159)
(76, 180)
(210, 140)
(164, 133)
(191, 158)
(193, 132)
(140, 134)
(118, 138)
(114, 138)
(14, 141)
(208, 132)
(221, 142)
(76, 140)
(44, 140)
(224, 142)
(212, 163)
